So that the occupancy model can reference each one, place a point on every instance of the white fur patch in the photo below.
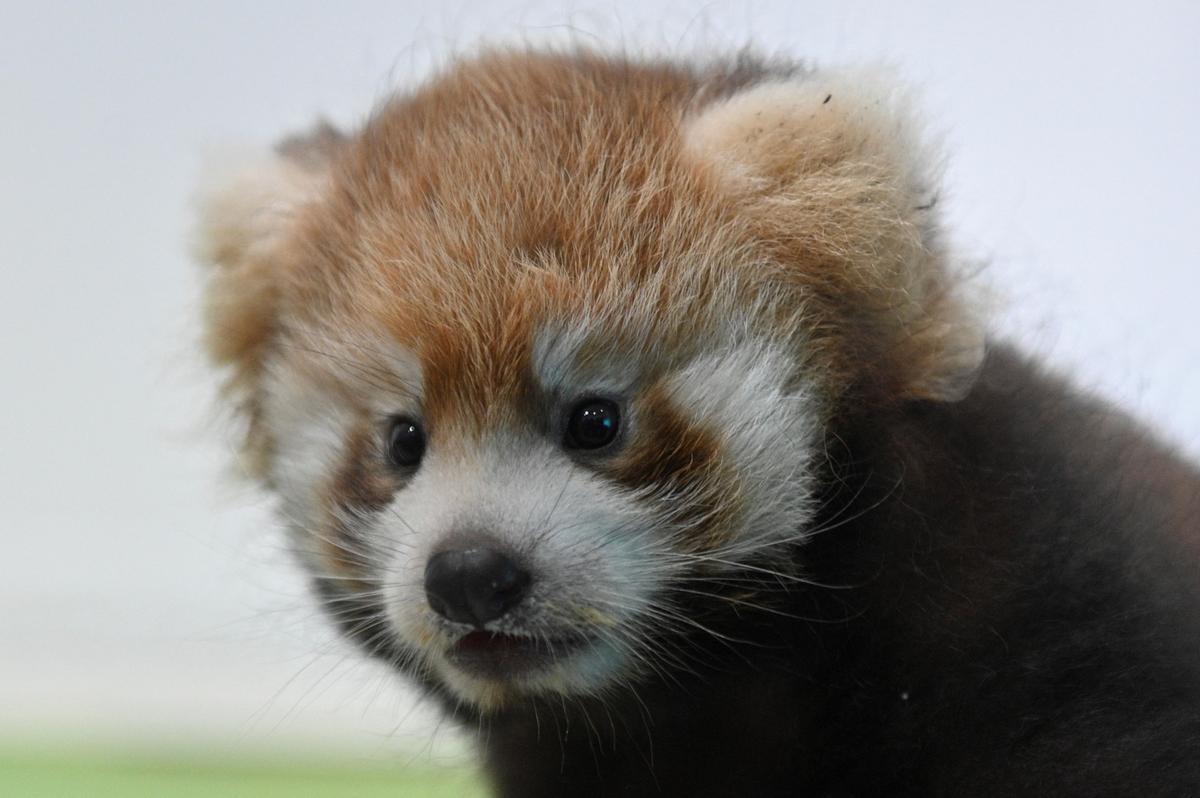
(768, 423)
(561, 371)
(309, 429)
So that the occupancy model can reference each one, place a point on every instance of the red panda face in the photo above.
(551, 345)
(523, 492)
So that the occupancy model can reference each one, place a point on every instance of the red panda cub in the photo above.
(635, 410)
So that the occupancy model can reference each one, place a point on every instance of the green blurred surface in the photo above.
(52, 775)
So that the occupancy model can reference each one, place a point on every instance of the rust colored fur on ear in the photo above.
(832, 171)
(247, 220)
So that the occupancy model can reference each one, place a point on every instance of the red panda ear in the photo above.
(834, 173)
(248, 216)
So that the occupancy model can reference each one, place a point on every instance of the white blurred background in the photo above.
(145, 598)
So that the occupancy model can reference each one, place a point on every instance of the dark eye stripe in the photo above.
(361, 483)
(682, 458)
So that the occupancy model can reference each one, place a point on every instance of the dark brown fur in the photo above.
(1011, 606)
(679, 457)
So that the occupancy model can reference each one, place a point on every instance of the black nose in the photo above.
(473, 585)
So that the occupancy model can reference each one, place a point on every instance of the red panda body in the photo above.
(636, 411)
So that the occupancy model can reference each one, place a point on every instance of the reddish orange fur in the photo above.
(520, 189)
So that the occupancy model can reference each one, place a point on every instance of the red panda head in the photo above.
(557, 338)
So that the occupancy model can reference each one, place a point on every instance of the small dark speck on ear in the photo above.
(828, 97)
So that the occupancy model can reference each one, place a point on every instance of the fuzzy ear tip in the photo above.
(243, 200)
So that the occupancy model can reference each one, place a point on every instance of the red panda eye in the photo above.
(592, 424)
(406, 442)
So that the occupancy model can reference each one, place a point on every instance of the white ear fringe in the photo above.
(246, 200)
(843, 115)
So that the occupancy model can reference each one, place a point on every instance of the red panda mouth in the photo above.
(497, 655)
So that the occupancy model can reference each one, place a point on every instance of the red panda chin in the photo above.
(507, 657)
